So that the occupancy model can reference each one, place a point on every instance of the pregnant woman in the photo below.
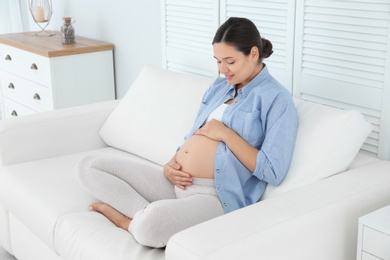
(242, 139)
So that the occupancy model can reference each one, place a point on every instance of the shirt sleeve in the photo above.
(274, 157)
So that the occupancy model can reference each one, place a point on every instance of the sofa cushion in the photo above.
(89, 235)
(328, 139)
(155, 114)
(40, 192)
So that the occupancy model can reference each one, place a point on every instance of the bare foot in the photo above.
(113, 215)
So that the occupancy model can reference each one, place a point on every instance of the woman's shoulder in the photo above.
(272, 87)
(272, 93)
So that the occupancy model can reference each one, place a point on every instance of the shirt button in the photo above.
(218, 152)
(217, 170)
(224, 204)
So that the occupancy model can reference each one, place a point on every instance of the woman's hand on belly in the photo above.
(214, 129)
(173, 172)
(196, 156)
(244, 152)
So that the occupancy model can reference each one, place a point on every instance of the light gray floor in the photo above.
(5, 256)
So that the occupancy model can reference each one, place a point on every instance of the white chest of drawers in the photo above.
(374, 235)
(39, 74)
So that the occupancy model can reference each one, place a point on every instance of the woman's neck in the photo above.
(256, 72)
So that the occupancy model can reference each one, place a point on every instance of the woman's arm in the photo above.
(244, 152)
(272, 162)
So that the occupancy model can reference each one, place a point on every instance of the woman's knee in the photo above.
(86, 166)
(152, 226)
(83, 165)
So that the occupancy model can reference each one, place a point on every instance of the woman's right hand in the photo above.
(173, 172)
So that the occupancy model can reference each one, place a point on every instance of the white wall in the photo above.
(133, 26)
(5, 16)
(10, 17)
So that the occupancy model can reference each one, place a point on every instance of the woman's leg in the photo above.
(154, 225)
(124, 184)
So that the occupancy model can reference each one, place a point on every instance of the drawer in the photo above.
(13, 109)
(30, 94)
(376, 243)
(25, 64)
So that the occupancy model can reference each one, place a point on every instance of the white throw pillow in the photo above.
(155, 114)
(328, 140)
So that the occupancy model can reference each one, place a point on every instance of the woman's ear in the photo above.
(255, 55)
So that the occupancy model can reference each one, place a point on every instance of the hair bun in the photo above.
(267, 48)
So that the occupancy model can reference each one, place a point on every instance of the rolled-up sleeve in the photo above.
(274, 157)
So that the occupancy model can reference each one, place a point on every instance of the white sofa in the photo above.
(313, 214)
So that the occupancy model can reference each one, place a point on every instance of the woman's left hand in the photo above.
(214, 129)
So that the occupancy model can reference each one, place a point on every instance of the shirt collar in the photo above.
(263, 75)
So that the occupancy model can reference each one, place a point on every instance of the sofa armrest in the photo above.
(53, 133)
(318, 221)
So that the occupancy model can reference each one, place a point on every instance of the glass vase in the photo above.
(41, 11)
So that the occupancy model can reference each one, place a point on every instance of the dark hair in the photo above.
(243, 35)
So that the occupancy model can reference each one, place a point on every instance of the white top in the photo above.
(217, 113)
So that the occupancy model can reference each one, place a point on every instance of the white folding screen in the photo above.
(342, 59)
(188, 30)
(275, 22)
(334, 52)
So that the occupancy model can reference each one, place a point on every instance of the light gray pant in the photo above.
(157, 208)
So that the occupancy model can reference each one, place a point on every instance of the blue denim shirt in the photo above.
(264, 115)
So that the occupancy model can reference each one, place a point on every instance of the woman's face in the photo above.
(237, 68)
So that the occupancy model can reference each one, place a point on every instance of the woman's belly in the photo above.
(196, 156)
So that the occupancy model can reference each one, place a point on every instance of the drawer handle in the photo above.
(14, 113)
(8, 57)
(37, 97)
(34, 66)
(11, 86)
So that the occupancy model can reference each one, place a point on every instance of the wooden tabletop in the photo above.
(51, 46)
